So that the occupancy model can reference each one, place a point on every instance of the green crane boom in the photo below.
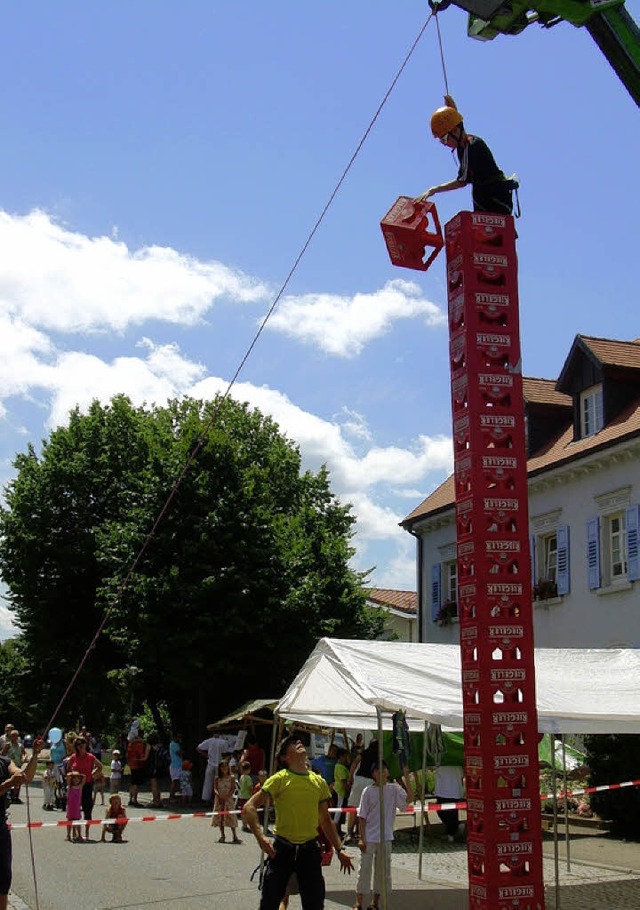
(608, 22)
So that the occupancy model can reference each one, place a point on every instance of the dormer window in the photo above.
(591, 411)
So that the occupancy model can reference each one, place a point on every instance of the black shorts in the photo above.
(138, 776)
(305, 861)
(5, 859)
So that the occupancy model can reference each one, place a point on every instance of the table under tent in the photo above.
(358, 685)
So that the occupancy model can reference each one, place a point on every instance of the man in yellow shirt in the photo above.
(301, 799)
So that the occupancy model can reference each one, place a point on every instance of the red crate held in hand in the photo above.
(409, 228)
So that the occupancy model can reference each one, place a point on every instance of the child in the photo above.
(75, 783)
(115, 811)
(116, 772)
(491, 190)
(98, 785)
(372, 845)
(48, 786)
(246, 787)
(224, 786)
(186, 785)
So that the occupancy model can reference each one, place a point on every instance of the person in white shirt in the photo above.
(212, 748)
(375, 847)
(116, 772)
(449, 788)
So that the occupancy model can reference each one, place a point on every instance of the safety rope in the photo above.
(444, 68)
(213, 417)
(32, 854)
(116, 600)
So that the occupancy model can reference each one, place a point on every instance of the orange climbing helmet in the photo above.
(444, 120)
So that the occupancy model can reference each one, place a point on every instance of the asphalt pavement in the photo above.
(180, 864)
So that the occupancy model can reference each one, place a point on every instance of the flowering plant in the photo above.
(545, 589)
(447, 612)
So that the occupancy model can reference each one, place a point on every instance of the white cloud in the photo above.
(64, 281)
(400, 571)
(78, 379)
(373, 521)
(56, 282)
(322, 441)
(7, 627)
(354, 424)
(23, 352)
(343, 325)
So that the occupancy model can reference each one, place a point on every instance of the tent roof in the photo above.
(246, 712)
(343, 682)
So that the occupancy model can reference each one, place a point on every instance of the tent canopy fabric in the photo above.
(343, 682)
(260, 710)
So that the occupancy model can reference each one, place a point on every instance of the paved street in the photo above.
(179, 864)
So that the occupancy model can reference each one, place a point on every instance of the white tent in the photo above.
(343, 683)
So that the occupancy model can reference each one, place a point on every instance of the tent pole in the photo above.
(566, 803)
(276, 730)
(382, 846)
(554, 785)
(422, 801)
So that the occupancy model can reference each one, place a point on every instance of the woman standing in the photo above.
(85, 763)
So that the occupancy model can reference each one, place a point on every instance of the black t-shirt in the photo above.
(4, 775)
(488, 183)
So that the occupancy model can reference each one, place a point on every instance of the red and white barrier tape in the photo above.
(177, 816)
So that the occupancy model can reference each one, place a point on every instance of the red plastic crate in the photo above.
(410, 228)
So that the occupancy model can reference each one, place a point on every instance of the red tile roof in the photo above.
(543, 391)
(441, 498)
(560, 450)
(614, 353)
(402, 601)
(564, 448)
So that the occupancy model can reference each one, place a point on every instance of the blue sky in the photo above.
(162, 164)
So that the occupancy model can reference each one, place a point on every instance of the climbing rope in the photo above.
(444, 68)
(216, 411)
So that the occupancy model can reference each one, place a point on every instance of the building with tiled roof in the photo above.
(401, 608)
(583, 443)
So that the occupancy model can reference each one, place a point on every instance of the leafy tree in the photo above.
(614, 758)
(15, 690)
(248, 567)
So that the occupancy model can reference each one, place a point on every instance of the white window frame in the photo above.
(612, 508)
(549, 561)
(615, 546)
(450, 581)
(591, 411)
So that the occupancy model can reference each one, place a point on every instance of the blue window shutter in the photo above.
(532, 549)
(593, 552)
(633, 555)
(436, 590)
(564, 582)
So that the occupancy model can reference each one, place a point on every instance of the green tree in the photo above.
(18, 685)
(246, 570)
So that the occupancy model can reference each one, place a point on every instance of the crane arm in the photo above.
(607, 21)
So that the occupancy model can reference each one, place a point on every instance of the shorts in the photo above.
(138, 776)
(5, 858)
(174, 773)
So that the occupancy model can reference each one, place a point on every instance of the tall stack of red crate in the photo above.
(504, 836)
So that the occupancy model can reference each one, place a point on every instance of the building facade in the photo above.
(583, 444)
(400, 609)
